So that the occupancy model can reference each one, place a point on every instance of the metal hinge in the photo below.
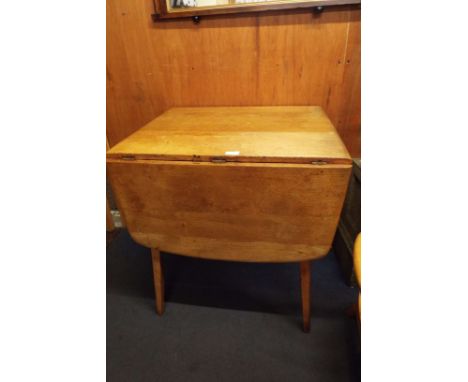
(218, 160)
(319, 162)
(127, 157)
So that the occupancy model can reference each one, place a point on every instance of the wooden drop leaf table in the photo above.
(259, 184)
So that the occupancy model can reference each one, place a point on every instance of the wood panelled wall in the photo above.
(280, 58)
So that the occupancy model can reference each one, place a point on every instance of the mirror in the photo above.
(195, 8)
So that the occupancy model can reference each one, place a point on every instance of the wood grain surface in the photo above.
(158, 280)
(231, 211)
(277, 58)
(305, 295)
(299, 134)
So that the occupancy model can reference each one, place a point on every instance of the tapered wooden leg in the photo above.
(158, 278)
(305, 289)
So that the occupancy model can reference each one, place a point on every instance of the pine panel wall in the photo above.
(276, 58)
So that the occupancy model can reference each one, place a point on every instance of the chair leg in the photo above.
(305, 289)
(158, 279)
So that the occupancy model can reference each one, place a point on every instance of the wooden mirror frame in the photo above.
(163, 11)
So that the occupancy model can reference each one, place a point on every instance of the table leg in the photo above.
(305, 289)
(158, 280)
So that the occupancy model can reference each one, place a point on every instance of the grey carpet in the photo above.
(225, 321)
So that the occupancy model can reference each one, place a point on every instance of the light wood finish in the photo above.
(259, 205)
(272, 212)
(357, 270)
(231, 211)
(280, 134)
(357, 259)
(164, 10)
(279, 58)
(305, 295)
(158, 278)
(355, 309)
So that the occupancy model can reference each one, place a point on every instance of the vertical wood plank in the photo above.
(158, 280)
(273, 58)
(305, 291)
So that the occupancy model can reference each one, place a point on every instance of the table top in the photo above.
(276, 134)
